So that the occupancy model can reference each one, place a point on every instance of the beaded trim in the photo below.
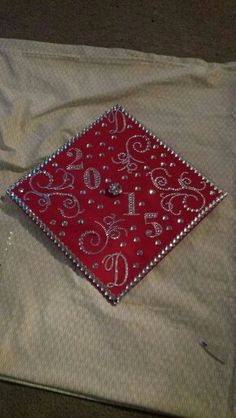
(83, 269)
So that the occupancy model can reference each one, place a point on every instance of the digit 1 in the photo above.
(131, 204)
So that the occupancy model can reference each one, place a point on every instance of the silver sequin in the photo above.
(64, 223)
(136, 265)
(95, 265)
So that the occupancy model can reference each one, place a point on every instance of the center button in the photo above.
(115, 189)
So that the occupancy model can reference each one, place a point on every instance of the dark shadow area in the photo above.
(186, 28)
(18, 401)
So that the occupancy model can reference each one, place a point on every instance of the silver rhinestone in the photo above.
(148, 232)
(137, 188)
(212, 192)
(180, 220)
(117, 202)
(153, 157)
(102, 144)
(165, 218)
(105, 167)
(55, 164)
(100, 206)
(136, 265)
(81, 221)
(155, 146)
(101, 155)
(107, 180)
(95, 265)
(152, 191)
(21, 190)
(102, 191)
(139, 252)
(129, 126)
(163, 164)
(157, 242)
(110, 148)
(122, 244)
(64, 223)
(137, 175)
(97, 133)
(89, 145)
(53, 222)
(89, 156)
(163, 155)
(115, 189)
(169, 227)
(146, 167)
(104, 124)
(124, 177)
(141, 204)
(113, 137)
(133, 228)
(62, 233)
(172, 164)
(83, 192)
(90, 201)
(136, 239)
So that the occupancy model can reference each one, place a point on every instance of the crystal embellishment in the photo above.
(115, 189)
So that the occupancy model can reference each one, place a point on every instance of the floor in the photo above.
(170, 27)
(186, 28)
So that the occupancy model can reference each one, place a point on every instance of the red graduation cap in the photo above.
(116, 200)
